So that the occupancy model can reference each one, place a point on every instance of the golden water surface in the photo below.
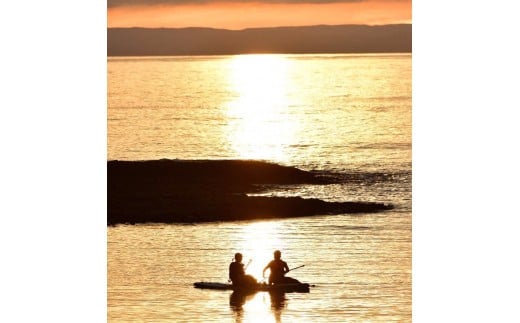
(346, 115)
(299, 110)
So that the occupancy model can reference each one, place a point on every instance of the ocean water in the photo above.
(347, 116)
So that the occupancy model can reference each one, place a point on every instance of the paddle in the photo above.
(295, 268)
(287, 272)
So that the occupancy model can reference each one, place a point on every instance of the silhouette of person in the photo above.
(237, 273)
(278, 269)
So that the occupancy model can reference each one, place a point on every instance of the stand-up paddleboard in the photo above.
(286, 288)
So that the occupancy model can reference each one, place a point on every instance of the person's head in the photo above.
(238, 257)
(277, 254)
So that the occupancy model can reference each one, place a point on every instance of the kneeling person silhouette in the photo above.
(237, 273)
(278, 269)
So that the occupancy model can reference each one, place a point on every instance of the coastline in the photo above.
(314, 39)
(191, 191)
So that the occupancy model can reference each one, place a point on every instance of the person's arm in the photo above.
(230, 270)
(285, 267)
(265, 268)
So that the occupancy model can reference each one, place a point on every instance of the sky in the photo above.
(240, 14)
(458, 245)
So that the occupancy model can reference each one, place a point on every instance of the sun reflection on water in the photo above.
(260, 127)
(259, 241)
(258, 307)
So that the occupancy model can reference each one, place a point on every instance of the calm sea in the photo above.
(348, 116)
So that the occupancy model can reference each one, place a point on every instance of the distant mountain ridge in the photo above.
(288, 40)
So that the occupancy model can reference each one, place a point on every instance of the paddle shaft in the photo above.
(295, 268)
(249, 262)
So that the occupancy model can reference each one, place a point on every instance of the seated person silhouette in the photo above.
(278, 269)
(237, 273)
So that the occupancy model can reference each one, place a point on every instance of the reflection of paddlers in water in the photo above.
(278, 269)
(237, 273)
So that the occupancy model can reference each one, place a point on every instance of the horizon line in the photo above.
(249, 28)
(266, 53)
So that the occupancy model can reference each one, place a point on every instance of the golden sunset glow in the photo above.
(256, 308)
(258, 118)
(245, 15)
(251, 134)
(260, 240)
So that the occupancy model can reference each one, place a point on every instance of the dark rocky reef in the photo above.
(188, 191)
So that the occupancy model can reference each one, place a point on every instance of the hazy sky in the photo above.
(238, 14)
